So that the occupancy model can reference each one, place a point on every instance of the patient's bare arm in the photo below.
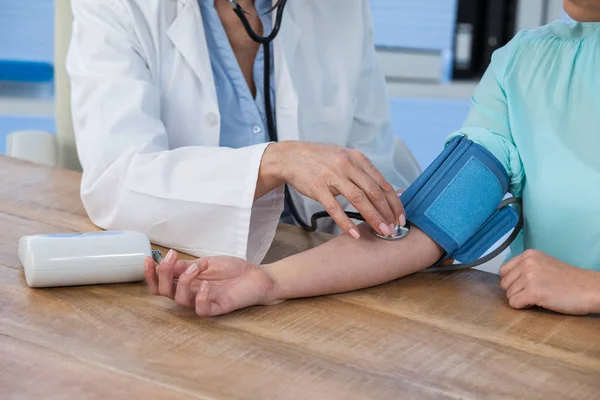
(219, 285)
(344, 264)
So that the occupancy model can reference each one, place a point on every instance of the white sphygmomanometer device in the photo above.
(70, 259)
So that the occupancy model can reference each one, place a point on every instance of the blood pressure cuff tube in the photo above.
(455, 201)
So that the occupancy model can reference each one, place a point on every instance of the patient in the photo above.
(537, 109)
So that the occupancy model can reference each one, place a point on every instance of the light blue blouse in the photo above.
(537, 109)
(243, 117)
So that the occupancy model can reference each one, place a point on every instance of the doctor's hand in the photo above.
(211, 285)
(537, 279)
(322, 172)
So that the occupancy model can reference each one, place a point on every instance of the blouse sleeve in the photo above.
(488, 122)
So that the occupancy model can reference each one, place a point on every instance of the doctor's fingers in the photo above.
(376, 195)
(394, 203)
(397, 208)
(363, 205)
(335, 210)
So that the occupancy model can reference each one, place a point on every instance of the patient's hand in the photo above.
(211, 285)
(537, 279)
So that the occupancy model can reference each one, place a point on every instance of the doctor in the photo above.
(171, 125)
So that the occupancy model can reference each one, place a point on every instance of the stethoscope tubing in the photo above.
(266, 41)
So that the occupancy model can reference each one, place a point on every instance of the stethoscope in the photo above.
(271, 125)
(401, 231)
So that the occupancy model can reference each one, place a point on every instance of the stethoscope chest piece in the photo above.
(400, 233)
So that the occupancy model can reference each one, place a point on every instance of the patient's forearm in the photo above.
(344, 264)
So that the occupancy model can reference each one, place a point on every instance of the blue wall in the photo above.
(26, 54)
(26, 30)
(424, 124)
(26, 40)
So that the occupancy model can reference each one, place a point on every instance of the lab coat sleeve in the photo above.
(371, 130)
(199, 200)
(488, 121)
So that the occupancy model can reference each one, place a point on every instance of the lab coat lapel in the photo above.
(285, 47)
(187, 35)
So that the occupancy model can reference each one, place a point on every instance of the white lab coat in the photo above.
(147, 121)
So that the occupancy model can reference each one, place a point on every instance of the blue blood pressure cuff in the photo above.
(456, 201)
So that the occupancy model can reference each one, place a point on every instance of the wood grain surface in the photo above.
(428, 336)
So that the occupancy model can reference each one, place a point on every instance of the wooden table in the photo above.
(425, 336)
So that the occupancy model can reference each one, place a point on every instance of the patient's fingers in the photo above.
(510, 265)
(165, 274)
(183, 295)
(203, 300)
(509, 278)
(181, 266)
(150, 275)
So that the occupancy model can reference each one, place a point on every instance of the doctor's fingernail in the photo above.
(170, 256)
(385, 229)
(192, 268)
(354, 233)
(402, 220)
(392, 228)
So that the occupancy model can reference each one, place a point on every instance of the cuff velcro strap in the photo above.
(456, 201)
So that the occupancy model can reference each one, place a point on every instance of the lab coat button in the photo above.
(256, 129)
(212, 119)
